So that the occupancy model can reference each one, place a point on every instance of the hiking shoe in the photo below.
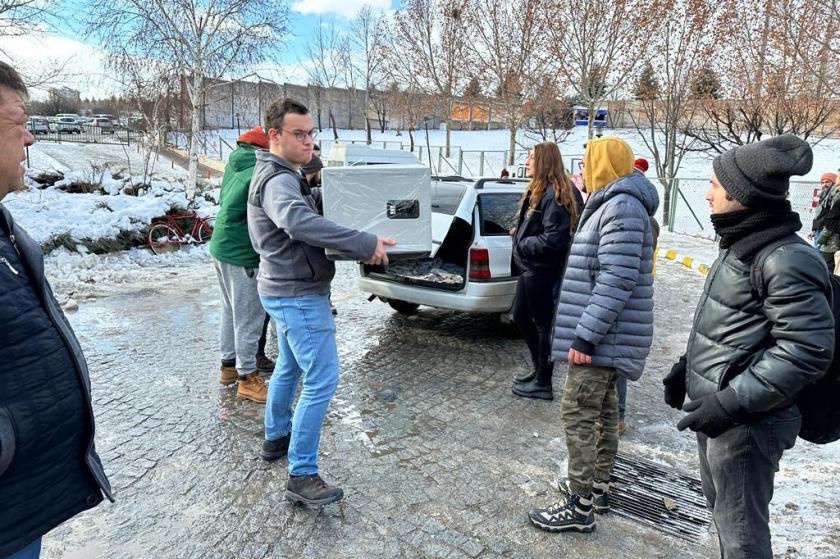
(275, 450)
(573, 514)
(264, 364)
(312, 490)
(533, 390)
(252, 387)
(227, 375)
(622, 427)
(600, 494)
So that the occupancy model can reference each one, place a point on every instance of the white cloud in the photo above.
(344, 8)
(84, 64)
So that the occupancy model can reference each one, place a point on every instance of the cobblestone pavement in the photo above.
(436, 457)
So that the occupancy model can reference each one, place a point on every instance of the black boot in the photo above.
(540, 387)
(526, 377)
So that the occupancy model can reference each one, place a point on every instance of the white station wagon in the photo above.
(469, 266)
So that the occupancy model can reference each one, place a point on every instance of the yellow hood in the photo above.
(605, 160)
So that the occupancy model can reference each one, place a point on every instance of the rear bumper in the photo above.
(478, 297)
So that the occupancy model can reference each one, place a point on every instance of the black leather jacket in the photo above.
(766, 350)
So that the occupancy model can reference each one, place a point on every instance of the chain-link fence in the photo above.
(690, 211)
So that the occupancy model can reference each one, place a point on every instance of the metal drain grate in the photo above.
(660, 497)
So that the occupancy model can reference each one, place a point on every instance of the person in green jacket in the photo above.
(236, 264)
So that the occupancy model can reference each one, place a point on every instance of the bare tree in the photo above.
(22, 17)
(203, 40)
(366, 43)
(549, 116)
(597, 45)
(327, 53)
(769, 86)
(509, 45)
(429, 48)
(680, 50)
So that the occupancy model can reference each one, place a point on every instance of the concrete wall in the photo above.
(224, 100)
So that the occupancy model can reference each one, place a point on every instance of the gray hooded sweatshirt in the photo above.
(290, 234)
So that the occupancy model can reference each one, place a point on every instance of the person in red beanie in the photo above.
(236, 263)
(826, 198)
(641, 165)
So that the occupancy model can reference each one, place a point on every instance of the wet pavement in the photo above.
(436, 457)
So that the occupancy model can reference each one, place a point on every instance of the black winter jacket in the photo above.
(49, 469)
(765, 350)
(543, 236)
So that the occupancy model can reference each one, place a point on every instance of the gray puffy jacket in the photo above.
(606, 299)
(765, 350)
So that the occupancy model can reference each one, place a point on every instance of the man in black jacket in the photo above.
(755, 342)
(49, 470)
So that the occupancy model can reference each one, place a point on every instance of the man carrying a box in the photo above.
(294, 278)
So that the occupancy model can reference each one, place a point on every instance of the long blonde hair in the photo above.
(547, 169)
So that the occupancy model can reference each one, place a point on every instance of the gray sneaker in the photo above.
(312, 490)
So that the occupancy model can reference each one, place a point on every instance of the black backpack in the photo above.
(819, 402)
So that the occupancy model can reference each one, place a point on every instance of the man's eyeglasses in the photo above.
(300, 135)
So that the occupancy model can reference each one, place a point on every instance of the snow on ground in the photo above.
(87, 276)
(50, 213)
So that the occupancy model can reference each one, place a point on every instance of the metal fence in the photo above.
(690, 212)
(464, 162)
(121, 136)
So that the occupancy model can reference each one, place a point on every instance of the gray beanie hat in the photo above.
(758, 175)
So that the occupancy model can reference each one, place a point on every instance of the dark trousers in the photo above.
(737, 471)
(533, 314)
(264, 336)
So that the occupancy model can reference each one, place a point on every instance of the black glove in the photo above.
(709, 414)
(675, 385)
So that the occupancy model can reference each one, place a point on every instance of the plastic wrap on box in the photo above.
(389, 200)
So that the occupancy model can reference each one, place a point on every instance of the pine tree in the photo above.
(706, 84)
(647, 86)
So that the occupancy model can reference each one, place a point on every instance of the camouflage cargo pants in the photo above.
(590, 415)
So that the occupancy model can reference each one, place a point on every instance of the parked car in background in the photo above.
(67, 125)
(102, 125)
(38, 125)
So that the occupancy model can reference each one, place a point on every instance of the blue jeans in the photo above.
(621, 387)
(31, 551)
(306, 346)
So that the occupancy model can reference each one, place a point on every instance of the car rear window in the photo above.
(446, 197)
(498, 213)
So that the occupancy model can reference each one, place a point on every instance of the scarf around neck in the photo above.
(746, 231)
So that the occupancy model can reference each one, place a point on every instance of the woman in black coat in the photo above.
(547, 219)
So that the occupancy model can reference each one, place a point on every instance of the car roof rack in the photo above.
(479, 184)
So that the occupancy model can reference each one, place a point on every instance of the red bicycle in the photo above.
(167, 235)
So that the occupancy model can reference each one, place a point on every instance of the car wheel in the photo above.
(403, 307)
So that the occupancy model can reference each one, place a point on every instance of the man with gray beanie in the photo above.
(762, 331)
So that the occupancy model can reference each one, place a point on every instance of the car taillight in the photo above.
(479, 264)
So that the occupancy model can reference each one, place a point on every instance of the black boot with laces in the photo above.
(312, 490)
